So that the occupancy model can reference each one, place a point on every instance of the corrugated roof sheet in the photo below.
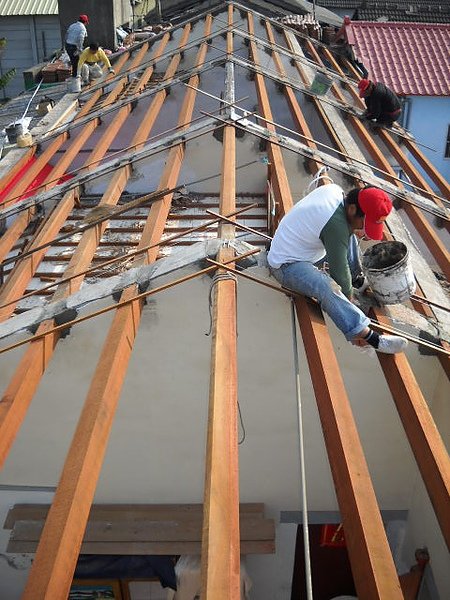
(19, 8)
(410, 58)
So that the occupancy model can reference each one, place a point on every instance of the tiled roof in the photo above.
(20, 8)
(432, 11)
(410, 58)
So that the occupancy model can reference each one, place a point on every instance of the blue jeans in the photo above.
(307, 279)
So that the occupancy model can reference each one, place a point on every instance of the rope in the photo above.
(302, 456)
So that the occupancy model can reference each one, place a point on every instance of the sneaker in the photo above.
(391, 344)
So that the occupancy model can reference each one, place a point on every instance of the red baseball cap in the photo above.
(84, 19)
(363, 85)
(376, 206)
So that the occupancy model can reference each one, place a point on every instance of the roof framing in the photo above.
(351, 151)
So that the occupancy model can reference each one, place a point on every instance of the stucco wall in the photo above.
(156, 448)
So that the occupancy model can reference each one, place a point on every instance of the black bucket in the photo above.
(12, 131)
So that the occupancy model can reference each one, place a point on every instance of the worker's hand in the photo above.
(111, 70)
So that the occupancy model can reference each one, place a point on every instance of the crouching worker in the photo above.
(383, 106)
(322, 225)
(88, 63)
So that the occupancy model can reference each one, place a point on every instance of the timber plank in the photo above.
(124, 512)
(145, 548)
(56, 557)
(187, 529)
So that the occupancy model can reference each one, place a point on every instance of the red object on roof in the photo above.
(412, 59)
(34, 186)
(41, 176)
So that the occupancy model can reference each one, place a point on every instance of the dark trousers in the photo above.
(73, 53)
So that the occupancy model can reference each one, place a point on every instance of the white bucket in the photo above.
(74, 84)
(389, 272)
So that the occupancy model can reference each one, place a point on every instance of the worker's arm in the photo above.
(102, 56)
(335, 236)
(80, 38)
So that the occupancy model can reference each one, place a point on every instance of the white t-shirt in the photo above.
(297, 236)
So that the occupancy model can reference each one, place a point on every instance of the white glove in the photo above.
(362, 287)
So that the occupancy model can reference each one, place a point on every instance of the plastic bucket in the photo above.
(389, 272)
(321, 84)
(12, 131)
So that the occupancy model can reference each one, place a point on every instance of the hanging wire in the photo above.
(241, 420)
(217, 277)
(301, 441)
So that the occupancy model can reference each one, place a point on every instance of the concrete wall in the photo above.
(428, 119)
(104, 17)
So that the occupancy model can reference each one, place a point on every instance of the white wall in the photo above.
(156, 449)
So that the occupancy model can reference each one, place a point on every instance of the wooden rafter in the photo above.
(294, 106)
(422, 433)
(61, 539)
(370, 556)
(18, 396)
(221, 538)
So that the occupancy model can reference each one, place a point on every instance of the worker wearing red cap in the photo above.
(322, 225)
(74, 42)
(383, 106)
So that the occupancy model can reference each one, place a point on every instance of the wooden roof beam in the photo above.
(369, 551)
(420, 428)
(372, 564)
(221, 516)
(221, 529)
(426, 443)
(26, 379)
(277, 175)
(58, 550)
(18, 279)
(294, 107)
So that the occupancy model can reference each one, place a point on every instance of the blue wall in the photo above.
(428, 119)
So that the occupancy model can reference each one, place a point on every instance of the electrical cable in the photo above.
(301, 443)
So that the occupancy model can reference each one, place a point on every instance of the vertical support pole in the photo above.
(221, 539)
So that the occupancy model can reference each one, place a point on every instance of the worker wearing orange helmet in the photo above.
(383, 106)
(74, 42)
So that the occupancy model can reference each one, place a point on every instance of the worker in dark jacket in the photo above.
(383, 106)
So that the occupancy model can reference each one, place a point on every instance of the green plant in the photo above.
(5, 78)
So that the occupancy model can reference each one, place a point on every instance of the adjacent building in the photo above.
(412, 59)
(32, 33)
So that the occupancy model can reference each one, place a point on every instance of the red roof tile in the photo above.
(410, 58)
